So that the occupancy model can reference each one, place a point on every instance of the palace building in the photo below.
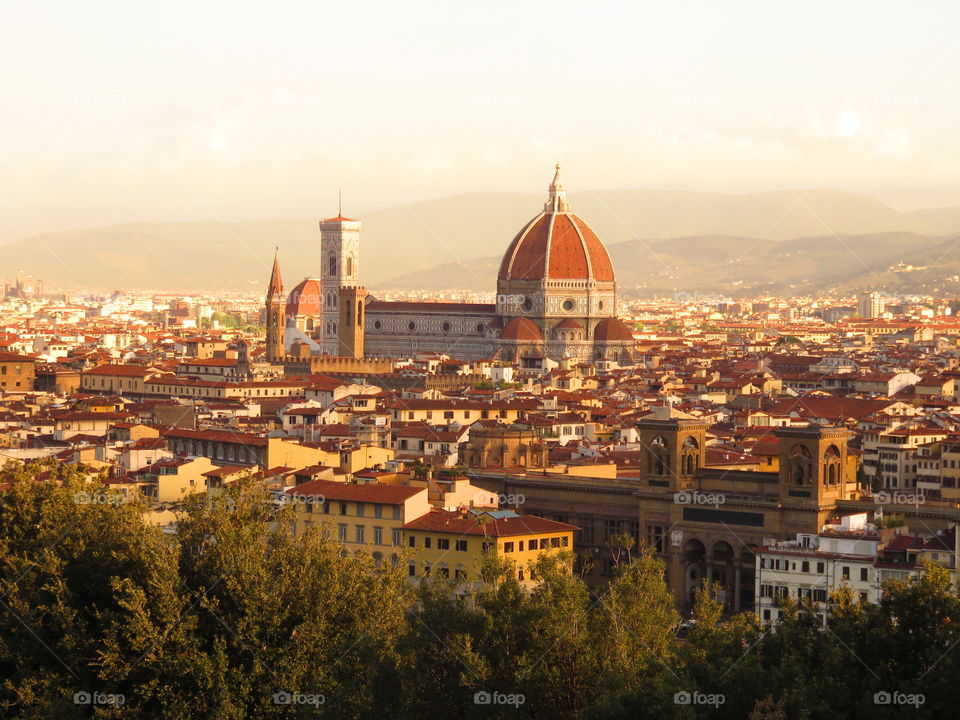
(556, 298)
(703, 522)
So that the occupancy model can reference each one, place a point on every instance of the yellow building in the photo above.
(450, 544)
(448, 409)
(363, 517)
(172, 479)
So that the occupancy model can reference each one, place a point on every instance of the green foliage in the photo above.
(215, 620)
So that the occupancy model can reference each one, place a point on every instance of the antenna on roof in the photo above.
(339, 202)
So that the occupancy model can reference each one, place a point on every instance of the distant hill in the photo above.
(735, 265)
(439, 241)
(942, 221)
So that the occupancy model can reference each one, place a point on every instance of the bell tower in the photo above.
(672, 451)
(276, 323)
(814, 467)
(340, 261)
(352, 320)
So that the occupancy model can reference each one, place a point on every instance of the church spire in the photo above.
(557, 199)
(275, 289)
(274, 313)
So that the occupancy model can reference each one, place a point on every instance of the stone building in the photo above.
(704, 522)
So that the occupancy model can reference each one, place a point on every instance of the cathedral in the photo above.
(556, 298)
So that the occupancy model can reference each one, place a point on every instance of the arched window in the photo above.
(333, 265)
(350, 266)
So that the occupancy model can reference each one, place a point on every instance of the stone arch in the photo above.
(690, 455)
(799, 465)
(831, 466)
(657, 460)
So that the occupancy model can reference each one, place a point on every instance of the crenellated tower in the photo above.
(352, 301)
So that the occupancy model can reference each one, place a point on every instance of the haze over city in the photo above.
(230, 112)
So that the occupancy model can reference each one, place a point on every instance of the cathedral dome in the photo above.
(522, 329)
(612, 330)
(556, 245)
(305, 299)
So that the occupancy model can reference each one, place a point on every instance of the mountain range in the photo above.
(660, 241)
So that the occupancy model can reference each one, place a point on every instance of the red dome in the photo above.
(522, 329)
(569, 324)
(612, 330)
(556, 245)
(305, 299)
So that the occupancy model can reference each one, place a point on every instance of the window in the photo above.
(460, 574)
(426, 542)
(444, 572)
(396, 538)
(360, 533)
(508, 547)
(342, 532)
(864, 574)
(555, 542)
(462, 545)
(413, 541)
(343, 508)
(565, 540)
(443, 544)
(396, 512)
(378, 536)
(412, 570)
(378, 510)
(846, 572)
(655, 535)
(521, 546)
(361, 509)
(805, 566)
(820, 568)
(520, 574)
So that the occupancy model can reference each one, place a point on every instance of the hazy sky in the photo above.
(229, 110)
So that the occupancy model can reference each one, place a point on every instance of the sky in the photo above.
(122, 111)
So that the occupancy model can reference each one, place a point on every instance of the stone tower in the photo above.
(814, 465)
(340, 260)
(673, 449)
(276, 324)
(351, 322)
